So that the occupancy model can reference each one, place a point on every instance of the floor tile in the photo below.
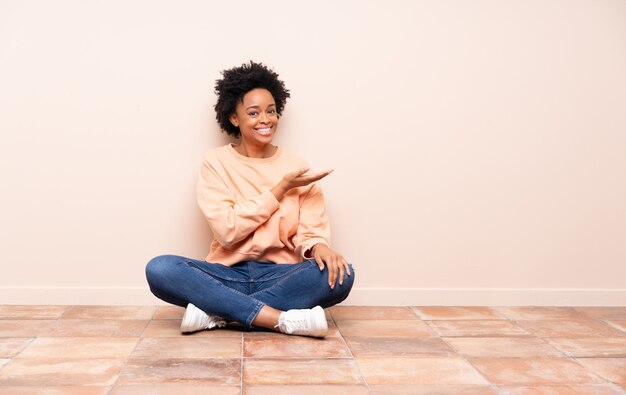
(308, 389)
(295, 347)
(599, 389)
(24, 328)
(414, 389)
(529, 371)
(617, 324)
(540, 313)
(169, 313)
(188, 347)
(477, 328)
(399, 350)
(21, 312)
(110, 312)
(175, 389)
(80, 347)
(397, 347)
(216, 371)
(591, 346)
(371, 313)
(300, 371)
(97, 328)
(53, 390)
(612, 369)
(605, 313)
(171, 328)
(390, 328)
(60, 372)
(11, 346)
(564, 328)
(422, 371)
(456, 313)
(503, 347)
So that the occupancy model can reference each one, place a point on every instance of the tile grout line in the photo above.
(125, 364)
(32, 338)
(576, 359)
(10, 359)
(612, 324)
(458, 354)
(241, 365)
(414, 311)
(546, 340)
(606, 381)
(352, 358)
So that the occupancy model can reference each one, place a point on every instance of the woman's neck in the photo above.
(264, 151)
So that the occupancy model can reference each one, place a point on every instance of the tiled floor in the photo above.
(369, 350)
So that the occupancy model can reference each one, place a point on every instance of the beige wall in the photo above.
(479, 146)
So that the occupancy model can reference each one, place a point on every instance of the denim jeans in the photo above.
(238, 292)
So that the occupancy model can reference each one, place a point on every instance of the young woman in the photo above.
(270, 263)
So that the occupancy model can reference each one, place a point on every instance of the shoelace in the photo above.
(215, 322)
(291, 325)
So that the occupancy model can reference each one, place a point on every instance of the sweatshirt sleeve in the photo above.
(313, 227)
(229, 221)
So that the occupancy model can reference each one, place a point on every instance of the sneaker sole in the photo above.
(187, 324)
(320, 320)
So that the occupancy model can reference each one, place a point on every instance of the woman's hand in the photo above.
(298, 178)
(335, 262)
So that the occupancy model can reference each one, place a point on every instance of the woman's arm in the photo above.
(229, 221)
(232, 222)
(313, 226)
(313, 237)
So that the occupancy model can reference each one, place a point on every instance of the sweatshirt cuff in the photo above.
(305, 248)
(269, 201)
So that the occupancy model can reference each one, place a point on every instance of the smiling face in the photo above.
(257, 120)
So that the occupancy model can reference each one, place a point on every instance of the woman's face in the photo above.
(256, 117)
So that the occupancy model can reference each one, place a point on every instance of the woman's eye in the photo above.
(253, 113)
(272, 111)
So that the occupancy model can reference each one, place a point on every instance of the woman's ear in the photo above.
(234, 120)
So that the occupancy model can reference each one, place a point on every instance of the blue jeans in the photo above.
(237, 293)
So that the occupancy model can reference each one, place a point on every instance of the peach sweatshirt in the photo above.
(247, 220)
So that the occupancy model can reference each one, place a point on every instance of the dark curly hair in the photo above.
(237, 82)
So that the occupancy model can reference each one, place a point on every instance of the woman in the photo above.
(270, 264)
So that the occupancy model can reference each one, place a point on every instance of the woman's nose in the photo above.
(263, 117)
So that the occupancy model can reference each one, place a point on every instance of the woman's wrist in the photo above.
(316, 246)
(279, 191)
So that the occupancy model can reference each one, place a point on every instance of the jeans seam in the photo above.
(295, 268)
(196, 266)
(209, 275)
(281, 278)
(258, 306)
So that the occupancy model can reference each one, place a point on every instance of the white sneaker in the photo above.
(305, 322)
(197, 320)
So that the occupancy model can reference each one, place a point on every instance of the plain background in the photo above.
(479, 147)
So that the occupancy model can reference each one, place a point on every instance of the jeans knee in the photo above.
(157, 268)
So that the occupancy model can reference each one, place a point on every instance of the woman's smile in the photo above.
(265, 131)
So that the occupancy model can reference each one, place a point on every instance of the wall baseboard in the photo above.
(358, 297)
(487, 297)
